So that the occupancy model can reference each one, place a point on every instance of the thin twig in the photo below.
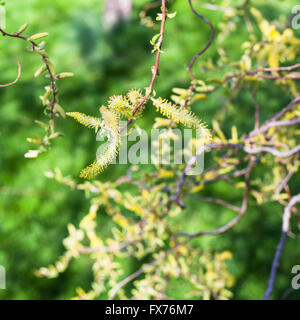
(190, 164)
(274, 124)
(248, 150)
(104, 249)
(198, 54)
(17, 79)
(285, 229)
(278, 115)
(284, 181)
(155, 68)
(275, 266)
(257, 73)
(273, 151)
(234, 221)
(51, 75)
(256, 105)
(217, 201)
(144, 268)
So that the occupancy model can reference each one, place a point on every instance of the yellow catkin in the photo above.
(135, 97)
(111, 148)
(110, 119)
(107, 156)
(88, 121)
(125, 105)
(180, 115)
(120, 105)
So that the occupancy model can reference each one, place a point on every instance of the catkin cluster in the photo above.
(117, 106)
(123, 106)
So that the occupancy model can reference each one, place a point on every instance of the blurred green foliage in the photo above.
(34, 211)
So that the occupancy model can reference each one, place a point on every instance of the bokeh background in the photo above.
(34, 210)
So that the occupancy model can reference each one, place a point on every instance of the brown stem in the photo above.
(285, 229)
(155, 68)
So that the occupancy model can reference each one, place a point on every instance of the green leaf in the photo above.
(60, 109)
(171, 15)
(154, 39)
(51, 67)
(40, 52)
(42, 124)
(40, 71)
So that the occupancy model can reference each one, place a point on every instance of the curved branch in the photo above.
(273, 151)
(193, 160)
(104, 249)
(211, 39)
(15, 81)
(134, 275)
(234, 221)
(55, 91)
(217, 201)
(197, 55)
(275, 117)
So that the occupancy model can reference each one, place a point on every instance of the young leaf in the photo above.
(23, 28)
(32, 154)
(51, 67)
(40, 71)
(60, 109)
(37, 36)
(64, 75)
(171, 15)
(39, 51)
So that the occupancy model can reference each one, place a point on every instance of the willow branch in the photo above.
(273, 151)
(274, 124)
(190, 164)
(211, 39)
(284, 182)
(198, 54)
(277, 116)
(217, 201)
(104, 249)
(259, 73)
(155, 68)
(143, 269)
(234, 221)
(51, 75)
(285, 229)
(15, 81)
